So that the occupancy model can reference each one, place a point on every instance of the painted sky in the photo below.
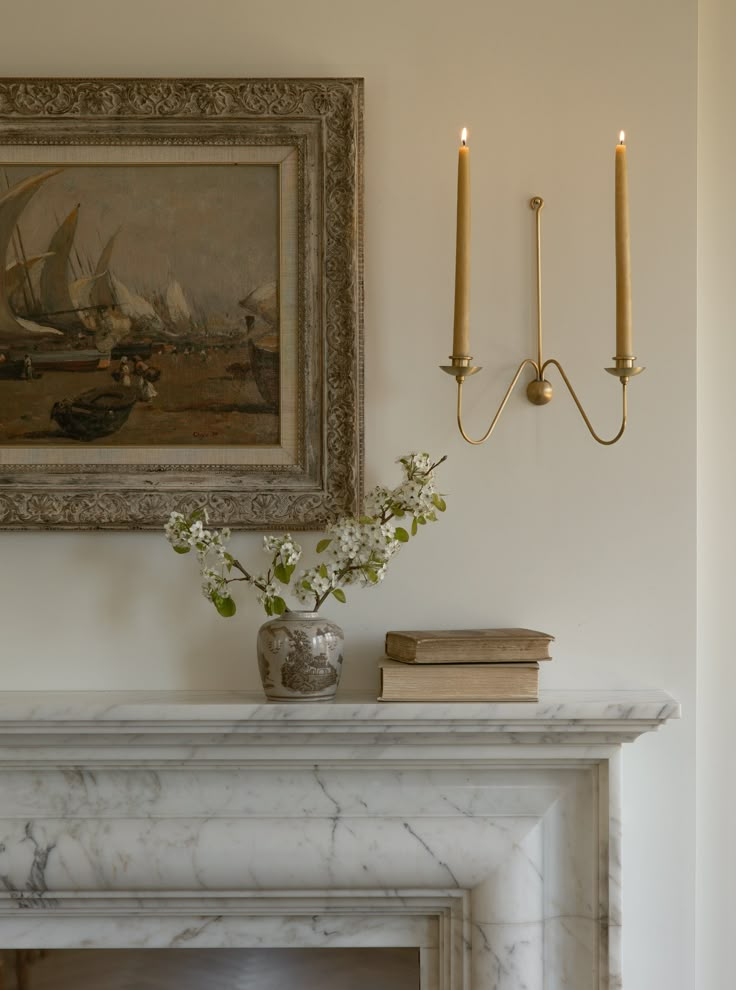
(213, 228)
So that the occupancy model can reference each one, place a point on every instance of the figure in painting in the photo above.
(124, 372)
(28, 368)
(146, 391)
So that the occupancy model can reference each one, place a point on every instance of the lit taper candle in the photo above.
(461, 332)
(624, 346)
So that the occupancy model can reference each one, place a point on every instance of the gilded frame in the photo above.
(319, 122)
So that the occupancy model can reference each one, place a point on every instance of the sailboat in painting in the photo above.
(81, 292)
(17, 281)
(12, 204)
(178, 308)
(263, 348)
(55, 298)
(123, 314)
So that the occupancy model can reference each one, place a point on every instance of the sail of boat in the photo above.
(113, 325)
(121, 310)
(16, 280)
(103, 295)
(136, 307)
(133, 313)
(176, 303)
(81, 292)
(12, 204)
(56, 300)
(263, 302)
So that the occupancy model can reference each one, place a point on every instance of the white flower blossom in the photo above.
(177, 530)
(416, 496)
(378, 501)
(213, 583)
(304, 595)
(414, 464)
(269, 592)
(174, 523)
(321, 580)
(196, 531)
(283, 548)
(358, 549)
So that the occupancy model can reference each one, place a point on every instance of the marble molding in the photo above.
(487, 835)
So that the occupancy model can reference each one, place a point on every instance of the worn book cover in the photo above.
(459, 682)
(467, 645)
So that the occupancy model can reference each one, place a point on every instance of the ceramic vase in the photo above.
(300, 657)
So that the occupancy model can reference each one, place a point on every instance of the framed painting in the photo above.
(180, 301)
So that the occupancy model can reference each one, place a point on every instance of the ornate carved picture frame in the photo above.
(181, 301)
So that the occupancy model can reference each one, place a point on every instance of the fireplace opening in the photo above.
(210, 969)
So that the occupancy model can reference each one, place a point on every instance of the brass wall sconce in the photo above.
(539, 391)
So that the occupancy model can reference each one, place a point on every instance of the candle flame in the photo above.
(464, 136)
(622, 138)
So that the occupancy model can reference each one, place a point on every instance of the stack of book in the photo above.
(463, 665)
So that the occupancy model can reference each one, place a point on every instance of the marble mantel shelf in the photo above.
(486, 835)
(216, 722)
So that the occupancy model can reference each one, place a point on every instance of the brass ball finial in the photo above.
(539, 392)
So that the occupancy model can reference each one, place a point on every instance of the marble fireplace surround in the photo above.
(487, 835)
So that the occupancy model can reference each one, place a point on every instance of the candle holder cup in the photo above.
(460, 368)
(625, 367)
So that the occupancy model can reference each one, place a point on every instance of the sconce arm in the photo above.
(571, 390)
(509, 390)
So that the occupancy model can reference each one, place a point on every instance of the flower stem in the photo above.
(247, 577)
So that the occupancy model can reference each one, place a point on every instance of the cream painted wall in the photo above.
(716, 759)
(544, 528)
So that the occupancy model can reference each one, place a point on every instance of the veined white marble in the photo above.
(553, 707)
(486, 834)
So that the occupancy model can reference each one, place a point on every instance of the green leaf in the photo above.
(365, 520)
(196, 516)
(322, 545)
(322, 570)
(432, 516)
(283, 572)
(224, 605)
(401, 535)
(421, 520)
(414, 526)
(306, 585)
(182, 549)
(278, 605)
(439, 502)
(371, 575)
(339, 594)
